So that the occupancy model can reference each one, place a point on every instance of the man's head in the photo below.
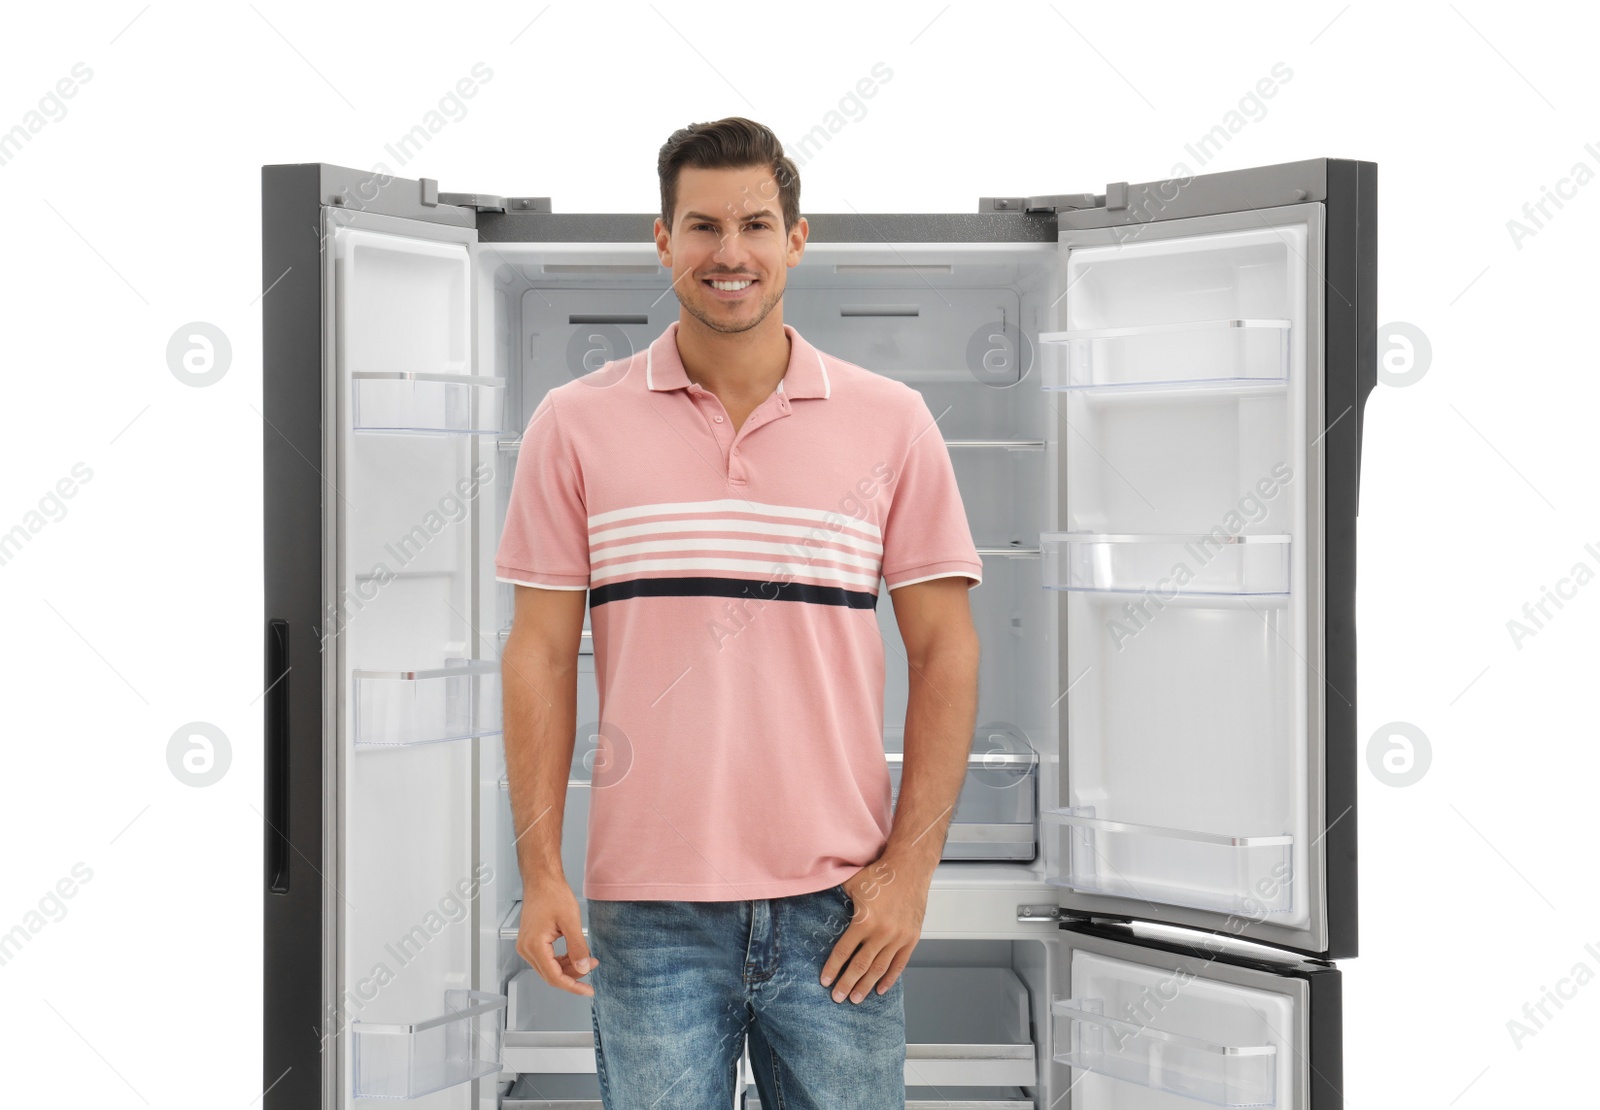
(730, 211)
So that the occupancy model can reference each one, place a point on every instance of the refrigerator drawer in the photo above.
(410, 1060)
(968, 1026)
(996, 815)
(548, 1031)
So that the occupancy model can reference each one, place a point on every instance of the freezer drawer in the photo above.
(967, 1026)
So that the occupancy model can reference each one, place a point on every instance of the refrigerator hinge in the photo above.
(1028, 912)
(483, 202)
(1114, 199)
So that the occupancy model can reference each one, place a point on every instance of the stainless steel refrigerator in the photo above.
(1152, 397)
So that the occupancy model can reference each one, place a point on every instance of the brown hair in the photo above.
(731, 143)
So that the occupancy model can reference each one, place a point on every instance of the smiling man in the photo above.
(727, 501)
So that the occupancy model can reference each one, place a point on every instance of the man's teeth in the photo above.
(729, 285)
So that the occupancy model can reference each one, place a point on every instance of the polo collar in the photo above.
(806, 376)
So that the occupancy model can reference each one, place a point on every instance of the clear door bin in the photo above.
(424, 707)
(1219, 1074)
(1214, 871)
(1203, 352)
(995, 812)
(408, 1061)
(442, 404)
(1213, 563)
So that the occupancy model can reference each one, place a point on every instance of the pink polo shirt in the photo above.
(732, 583)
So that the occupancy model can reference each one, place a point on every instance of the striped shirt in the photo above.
(732, 583)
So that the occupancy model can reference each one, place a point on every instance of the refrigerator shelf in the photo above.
(1180, 867)
(940, 1098)
(403, 1061)
(1197, 353)
(515, 444)
(425, 403)
(1193, 1067)
(995, 812)
(1179, 565)
(453, 702)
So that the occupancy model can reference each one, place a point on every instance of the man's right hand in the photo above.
(550, 910)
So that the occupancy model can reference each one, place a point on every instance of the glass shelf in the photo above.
(1199, 353)
(1168, 564)
(1196, 1068)
(439, 404)
(411, 1060)
(1179, 867)
(454, 702)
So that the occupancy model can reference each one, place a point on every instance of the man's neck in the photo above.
(741, 365)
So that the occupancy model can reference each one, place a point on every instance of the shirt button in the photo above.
(735, 450)
(718, 419)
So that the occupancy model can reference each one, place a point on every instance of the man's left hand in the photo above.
(889, 906)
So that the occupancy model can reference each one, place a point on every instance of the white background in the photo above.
(139, 610)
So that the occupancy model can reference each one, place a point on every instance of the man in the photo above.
(726, 501)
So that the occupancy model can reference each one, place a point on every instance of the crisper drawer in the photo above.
(996, 813)
(967, 1027)
(937, 1098)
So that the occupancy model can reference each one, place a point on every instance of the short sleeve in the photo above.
(546, 538)
(925, 533)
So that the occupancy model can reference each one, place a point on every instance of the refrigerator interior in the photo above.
(449, 345)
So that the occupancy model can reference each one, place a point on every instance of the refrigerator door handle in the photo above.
(277, 757)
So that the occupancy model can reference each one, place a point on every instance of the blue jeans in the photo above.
(680, 985)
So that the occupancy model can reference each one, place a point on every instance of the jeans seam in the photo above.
(777, 1082)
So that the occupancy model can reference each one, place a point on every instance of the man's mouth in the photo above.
(728, 288)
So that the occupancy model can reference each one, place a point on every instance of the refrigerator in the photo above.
(1152, 398)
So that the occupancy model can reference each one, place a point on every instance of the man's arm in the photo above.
(891, 893)
(539, 677)
(942, 652)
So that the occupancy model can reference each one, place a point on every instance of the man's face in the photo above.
(728, 227)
